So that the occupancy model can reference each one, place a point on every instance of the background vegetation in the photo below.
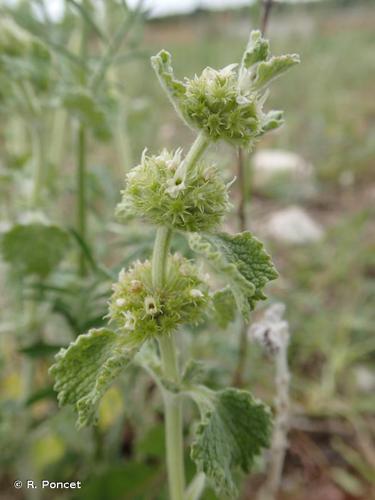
(76, 113)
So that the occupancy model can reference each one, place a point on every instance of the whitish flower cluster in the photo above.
(272, 332)
(228, 103)
(196, 200)
(146, 312)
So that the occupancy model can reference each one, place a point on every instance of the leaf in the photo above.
(273, 119)
(224, 307)
(85, 370)
(194, 371)
(175, 89)
(234, 428)
(242, 260)
(34, 248)
(257, 49)
(274, 67)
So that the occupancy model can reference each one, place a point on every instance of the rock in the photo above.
(294, 225)
(271, 163)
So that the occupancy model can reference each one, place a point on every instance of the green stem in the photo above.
(168, 351)
(172, 402)
(173, 421)
(81, 194)
(197, 149)
(159, 257)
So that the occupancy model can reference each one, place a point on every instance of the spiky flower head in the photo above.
(146, 312)
(228, 103)
(196, 200)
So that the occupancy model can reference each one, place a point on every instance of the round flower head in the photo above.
(228, 103)
(145, 312)
(194, 201)
(215, 105)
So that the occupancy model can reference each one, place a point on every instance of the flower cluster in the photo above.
(194, 201)
(228, 103)
(146, 312)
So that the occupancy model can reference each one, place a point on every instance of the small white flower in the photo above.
(175, 186)
(122, 274)
(195, 293)
(150, 306)
(241, 99)
(131, 175)
(129, 320)
(173, 163)
(120, 302)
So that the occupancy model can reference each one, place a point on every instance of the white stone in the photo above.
(269, 163)
(294, 225)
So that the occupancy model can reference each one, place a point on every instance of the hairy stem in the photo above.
(196, 151)
(172, 402)
(242, 223)
(173, 421)
(167, 345)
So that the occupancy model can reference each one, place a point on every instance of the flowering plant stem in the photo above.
(168, 351)
(195, 152)
(172, 402)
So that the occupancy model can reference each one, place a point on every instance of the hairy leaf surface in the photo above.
(84, 371)
(242, 260)
(233, 430)
(274, 67)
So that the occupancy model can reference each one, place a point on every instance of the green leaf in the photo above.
(194, 371)
(224, 307)
(85, 370)
(233, 430)
(34, 248)
(273, 119)
(175, 89)
(274, 67)
(257, 49)
(242, 260)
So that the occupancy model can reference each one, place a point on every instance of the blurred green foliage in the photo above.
(328, 286)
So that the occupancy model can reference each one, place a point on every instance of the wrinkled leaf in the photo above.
(242, 260)
(257, 50)
(175, 89)
(274, 67)
(34, 248)
(85, 370)
(272, 120)
(233, 430)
